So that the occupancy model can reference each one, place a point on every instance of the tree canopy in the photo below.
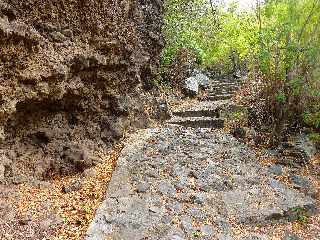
(279, 39)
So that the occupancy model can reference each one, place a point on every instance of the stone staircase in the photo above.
(199, 182)
(206, 113)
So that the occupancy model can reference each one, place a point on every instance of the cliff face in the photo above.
(71, 80)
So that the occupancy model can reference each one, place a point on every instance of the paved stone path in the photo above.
(208, 112)
(191, 180)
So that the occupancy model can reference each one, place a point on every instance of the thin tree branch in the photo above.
(315, 3)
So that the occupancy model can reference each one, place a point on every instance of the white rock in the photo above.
(203, 80)
(191, 86)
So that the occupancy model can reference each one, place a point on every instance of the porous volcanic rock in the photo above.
(72, 75)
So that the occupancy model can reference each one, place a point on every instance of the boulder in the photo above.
(191, 86)
(203, 80)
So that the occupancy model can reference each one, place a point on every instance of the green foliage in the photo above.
(300, 215)
(239, 116)
(280, 39)
(196, 234)
(289, 58)
(302, 219)
(237, 119)
(312, 119)
(280, 97)
(315, 137)
(211, 33)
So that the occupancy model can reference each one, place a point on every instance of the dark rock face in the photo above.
(69, 70)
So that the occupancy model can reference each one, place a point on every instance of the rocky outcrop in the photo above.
(72, 75)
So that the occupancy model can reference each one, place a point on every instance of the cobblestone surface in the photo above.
(183, 183)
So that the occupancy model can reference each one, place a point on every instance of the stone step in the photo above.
(196, 106)
(220, 92)
(224, 86)
(226, 79)
(217, 97)
(197, 113)
(229, 86)
(193, 175)
(197, 122)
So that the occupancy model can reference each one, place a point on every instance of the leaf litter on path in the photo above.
(76, 209)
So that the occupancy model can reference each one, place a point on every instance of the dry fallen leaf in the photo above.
(76, 208)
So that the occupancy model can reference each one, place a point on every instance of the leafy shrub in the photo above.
(211, 32)
(312, 119)
(315, 137)
(280, 40)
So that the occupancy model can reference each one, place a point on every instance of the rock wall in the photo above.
(72, 75)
